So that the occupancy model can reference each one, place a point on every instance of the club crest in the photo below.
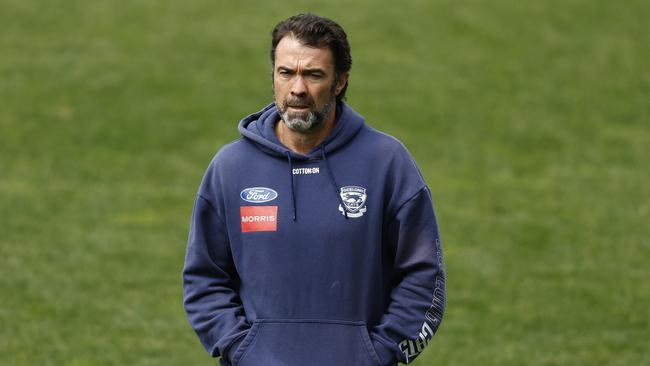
(354, 199)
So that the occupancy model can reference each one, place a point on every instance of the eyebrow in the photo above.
(304, 69)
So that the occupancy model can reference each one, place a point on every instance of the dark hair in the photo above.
(316, 31)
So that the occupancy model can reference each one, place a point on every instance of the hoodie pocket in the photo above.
(290, 342)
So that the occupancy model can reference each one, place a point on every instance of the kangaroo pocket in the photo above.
(272, 342)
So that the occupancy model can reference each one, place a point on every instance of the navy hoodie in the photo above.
(329, 258)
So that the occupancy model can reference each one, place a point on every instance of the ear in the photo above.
(342, 82)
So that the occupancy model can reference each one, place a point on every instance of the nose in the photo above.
(299, 87)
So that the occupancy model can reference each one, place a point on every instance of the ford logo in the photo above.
(258, 194)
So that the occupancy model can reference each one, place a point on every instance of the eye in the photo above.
(316, 75)
(284, 73)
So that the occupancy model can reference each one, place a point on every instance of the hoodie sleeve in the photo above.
(417, 301)
(210, 284)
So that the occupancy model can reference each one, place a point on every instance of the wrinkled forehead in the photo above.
(291, 53)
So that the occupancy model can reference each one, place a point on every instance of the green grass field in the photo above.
(530, 121)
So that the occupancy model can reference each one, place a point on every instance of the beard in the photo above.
(306, 121)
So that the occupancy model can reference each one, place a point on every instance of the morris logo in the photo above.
(354, 199)
(258, 194)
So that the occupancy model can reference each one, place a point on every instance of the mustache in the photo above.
(293, 101)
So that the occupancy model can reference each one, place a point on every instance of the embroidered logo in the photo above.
(258, 218)
(354, 199)
(258, 194)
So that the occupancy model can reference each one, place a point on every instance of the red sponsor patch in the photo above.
(258, 218)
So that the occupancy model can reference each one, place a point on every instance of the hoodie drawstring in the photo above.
(293, 189)
(331, 175)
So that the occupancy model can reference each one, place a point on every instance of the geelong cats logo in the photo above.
(354, 199)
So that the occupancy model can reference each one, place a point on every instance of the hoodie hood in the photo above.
(259, 128)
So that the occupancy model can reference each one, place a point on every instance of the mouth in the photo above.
(299, 107)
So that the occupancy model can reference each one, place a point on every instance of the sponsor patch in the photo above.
(258, 218)
(258, 194)
(354, 199)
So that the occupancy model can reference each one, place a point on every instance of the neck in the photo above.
(304, 142)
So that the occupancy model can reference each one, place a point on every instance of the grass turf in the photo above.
(529, 121)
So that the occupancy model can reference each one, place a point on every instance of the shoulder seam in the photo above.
(417, 193)
(214, 210)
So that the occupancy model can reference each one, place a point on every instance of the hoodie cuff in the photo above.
(386, 355)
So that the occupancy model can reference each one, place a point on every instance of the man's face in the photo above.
(304, 84)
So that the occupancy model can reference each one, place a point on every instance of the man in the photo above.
(313, 238)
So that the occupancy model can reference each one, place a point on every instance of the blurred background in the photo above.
(530, 121)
